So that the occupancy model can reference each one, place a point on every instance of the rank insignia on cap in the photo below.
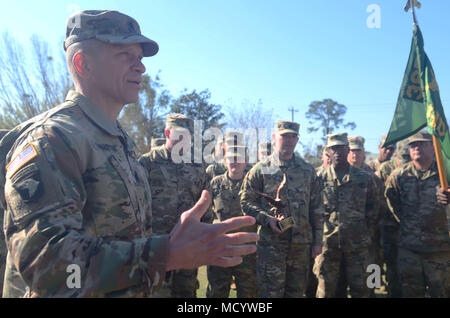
(22, 158)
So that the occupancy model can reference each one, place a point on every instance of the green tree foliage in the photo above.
(327, 115)
(32, 79)
(145, 120)
(197, 106)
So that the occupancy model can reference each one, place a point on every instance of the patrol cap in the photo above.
(356, 142)
(422, 135)
(337, 140)
(324, 150)
(233, 137)
(158, 142)
(107, 26)
(284, 127)
(178, 121)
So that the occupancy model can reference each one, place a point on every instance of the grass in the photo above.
(203, 280)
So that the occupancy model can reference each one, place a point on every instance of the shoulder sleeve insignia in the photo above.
(21, 159)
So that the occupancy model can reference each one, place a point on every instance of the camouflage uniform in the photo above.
(3, 250)
(76, 194)
(283, 261)
(423, 240)
(351, 217)
(175, 188)
(357, 143)
(374, 165)
(157, 142)
(215, 169)
(389, 226)
(225, 205)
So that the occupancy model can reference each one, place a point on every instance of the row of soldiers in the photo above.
(343, 216)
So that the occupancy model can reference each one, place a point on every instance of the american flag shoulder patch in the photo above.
(19, 160)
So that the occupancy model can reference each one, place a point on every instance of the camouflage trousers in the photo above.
(352, 263)
(418, 271)
(389, 244)
(2, 271)
(178, 284)
(342, 284)
(219, 279)
(3, 253)
(311, 288)
(282, 269)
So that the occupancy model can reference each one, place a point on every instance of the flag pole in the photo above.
(436, 143)
(411, 2)
(440, 163)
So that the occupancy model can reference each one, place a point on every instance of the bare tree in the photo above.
(251, 117)
(32, 79)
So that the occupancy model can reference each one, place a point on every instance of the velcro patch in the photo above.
(22, 158)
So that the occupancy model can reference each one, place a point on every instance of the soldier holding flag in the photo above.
(412, 191)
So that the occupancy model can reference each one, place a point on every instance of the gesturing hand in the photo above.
(194, 244)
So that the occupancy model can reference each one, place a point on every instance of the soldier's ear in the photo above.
(273, 138)
(167, 132)
(81, 65)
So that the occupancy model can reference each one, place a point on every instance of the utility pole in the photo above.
(292, 110)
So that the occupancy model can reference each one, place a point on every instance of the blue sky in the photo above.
(286, 53)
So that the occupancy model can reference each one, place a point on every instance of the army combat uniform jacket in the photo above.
(302, 194)
(411, 197)
(226, 205)
(226, 200)
(175, 187)
(351, 208)
(76, 197)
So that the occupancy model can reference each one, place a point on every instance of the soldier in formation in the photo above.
(291, 225)
(351, 217)
(224, 191)
(384, 155)
(176, 183)
(389, 226)
(357, 154)
(418, 204)
(325, 160)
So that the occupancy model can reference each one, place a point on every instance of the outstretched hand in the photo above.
(194, 243)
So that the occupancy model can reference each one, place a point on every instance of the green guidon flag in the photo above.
(419, 104)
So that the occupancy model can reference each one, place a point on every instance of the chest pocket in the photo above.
(409, 192)
(329, 196)
(358, 196)
(189, 176)
(112, 204)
